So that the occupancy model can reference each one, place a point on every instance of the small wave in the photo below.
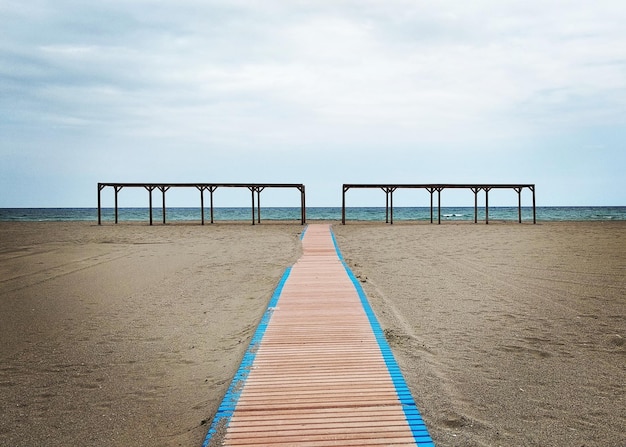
(453, 215)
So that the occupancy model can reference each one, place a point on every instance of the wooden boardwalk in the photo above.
(318, 371)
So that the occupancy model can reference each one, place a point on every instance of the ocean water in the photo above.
(603, 213)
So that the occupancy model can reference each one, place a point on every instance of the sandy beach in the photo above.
(129, 335)
(507, 334)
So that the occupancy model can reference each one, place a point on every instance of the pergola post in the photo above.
(258, 196)
(201, 189)
(519, 204)
(150, 188)
(117, 189)
(475, 191)
(99, 204)
(251, 188)
(532, 188)
(211, 190)
(386, 204)
(163, 190)
(302, 205)
(343, 205)
(439, 205)
(487, 205)
(431, 191)
(391, 190)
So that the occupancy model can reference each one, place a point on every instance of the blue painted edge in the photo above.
(304, 231)
(227, 407)
(411, 413)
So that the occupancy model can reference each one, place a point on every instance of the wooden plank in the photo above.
(318, 376)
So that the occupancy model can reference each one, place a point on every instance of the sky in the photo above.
(320, 92)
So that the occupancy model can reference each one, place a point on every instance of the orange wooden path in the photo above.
(319, 372)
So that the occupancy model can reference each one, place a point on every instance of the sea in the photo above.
(544, 213)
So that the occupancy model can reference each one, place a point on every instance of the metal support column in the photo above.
(201, 189)
(487, 205)
(534, 207)
(251, 188)
(386, 204)
(150, 188)
(163, 191)
(302, 205)
(391, 190)
(431, 191)
(258, 196)
(211, 190)
(475, 191)
(117, 190)
(439, 205)
(519, 204)
(343, 206)
(99, 204)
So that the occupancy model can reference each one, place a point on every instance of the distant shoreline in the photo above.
(286, 214)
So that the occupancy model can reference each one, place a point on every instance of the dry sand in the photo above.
(129, 335)
(507, 334)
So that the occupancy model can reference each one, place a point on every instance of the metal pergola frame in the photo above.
(211, 187)
(431, 188)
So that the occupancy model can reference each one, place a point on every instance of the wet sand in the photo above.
(129, 335)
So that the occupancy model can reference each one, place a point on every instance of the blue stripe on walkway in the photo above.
(412, 414)
(225, 411)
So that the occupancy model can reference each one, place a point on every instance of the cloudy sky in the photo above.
(318, 92)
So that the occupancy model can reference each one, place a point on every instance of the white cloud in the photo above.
(449, 65)
(273, 76)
